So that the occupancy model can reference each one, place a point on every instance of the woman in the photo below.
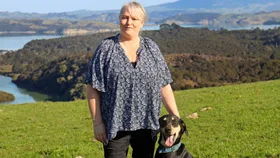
(127, 79)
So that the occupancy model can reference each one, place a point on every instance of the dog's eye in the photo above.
(165, 119)
(172, 118)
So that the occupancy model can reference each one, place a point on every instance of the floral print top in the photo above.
(130, 97)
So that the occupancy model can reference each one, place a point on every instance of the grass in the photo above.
(244, 122)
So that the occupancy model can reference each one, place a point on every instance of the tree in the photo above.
(164, 27)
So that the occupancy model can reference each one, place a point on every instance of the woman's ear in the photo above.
(142, 24)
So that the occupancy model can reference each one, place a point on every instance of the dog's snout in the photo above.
(168, 129)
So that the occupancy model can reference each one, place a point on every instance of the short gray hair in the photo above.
(133, 6)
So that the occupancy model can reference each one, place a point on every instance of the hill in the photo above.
(218, 19)
(65, 27)
(159, 12)
(242, 123)
(222, 6)
(196, 57)
(108, 21)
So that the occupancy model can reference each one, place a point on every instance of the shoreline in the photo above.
(68, 32)
(21, 95)
(77, 32)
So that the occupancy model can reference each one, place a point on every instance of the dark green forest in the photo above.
(197, 57)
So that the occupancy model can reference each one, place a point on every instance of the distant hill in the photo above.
(74, 15)
(261, 18)
(53, 26)
(221, 6)
(160, 12)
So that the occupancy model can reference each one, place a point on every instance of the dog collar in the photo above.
(163, 149)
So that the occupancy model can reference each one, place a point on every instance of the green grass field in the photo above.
(244, 122)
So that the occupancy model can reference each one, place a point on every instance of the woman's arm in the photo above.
(95, 111)
(169, 100)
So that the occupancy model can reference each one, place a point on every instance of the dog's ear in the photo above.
(184, 127)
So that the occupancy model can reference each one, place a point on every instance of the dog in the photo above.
(171, 130)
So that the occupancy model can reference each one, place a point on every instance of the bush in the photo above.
(5, 97)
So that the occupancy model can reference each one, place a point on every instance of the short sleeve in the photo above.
(95, 73)
(163, 70)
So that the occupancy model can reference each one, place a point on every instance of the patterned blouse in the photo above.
(130, 96)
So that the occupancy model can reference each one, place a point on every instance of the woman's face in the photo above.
(130, 25)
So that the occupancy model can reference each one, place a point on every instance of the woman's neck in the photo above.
(129, 40)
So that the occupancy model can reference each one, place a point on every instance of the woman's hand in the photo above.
(100, 132)
(95, 111)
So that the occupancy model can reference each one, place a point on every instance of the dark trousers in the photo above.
(142, 143)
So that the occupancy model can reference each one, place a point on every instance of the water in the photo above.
(156, 27)
(228, 27)
(21, 95)
(247, 27)
(17, 42)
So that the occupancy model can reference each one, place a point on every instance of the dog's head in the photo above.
(171, 130)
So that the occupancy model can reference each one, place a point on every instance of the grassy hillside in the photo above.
(244, 122)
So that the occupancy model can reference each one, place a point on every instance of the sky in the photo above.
(51, 6)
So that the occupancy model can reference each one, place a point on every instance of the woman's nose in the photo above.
(129, 21)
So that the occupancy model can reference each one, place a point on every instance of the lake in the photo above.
(21, 95)
(17, 42)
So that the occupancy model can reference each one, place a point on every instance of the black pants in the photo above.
(142, 143)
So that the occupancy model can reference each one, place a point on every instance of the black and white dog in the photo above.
(171, 130)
